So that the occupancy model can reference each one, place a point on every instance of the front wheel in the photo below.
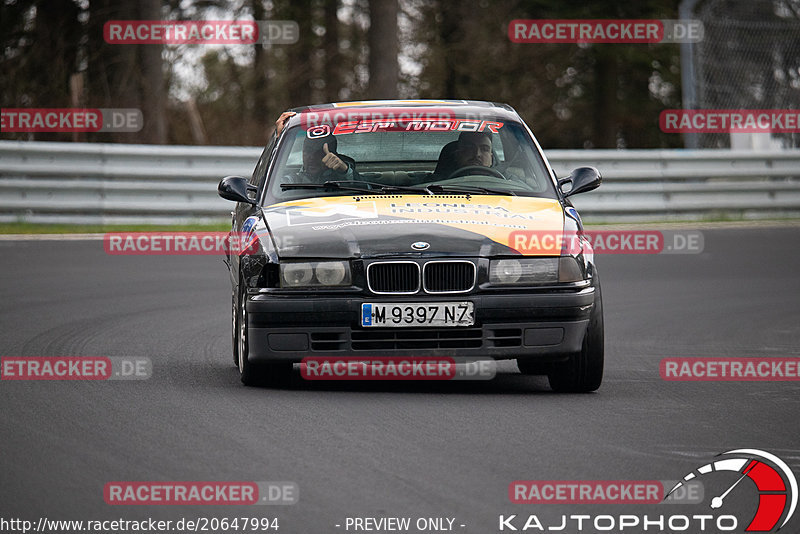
(583, 372)
(235, 327)
(255, 374)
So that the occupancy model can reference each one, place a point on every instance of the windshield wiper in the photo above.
(468, 189)
(331, 184)
(410, 189)
(372, 187)
(376, 188)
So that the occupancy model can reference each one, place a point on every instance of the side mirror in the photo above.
(235, 188)
(581, 180)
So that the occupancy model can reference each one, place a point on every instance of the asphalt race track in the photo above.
(380, 449)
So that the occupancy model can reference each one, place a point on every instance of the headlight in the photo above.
(315, 274)
(505, 271)
(330, 273)
(533, 271)
(296, 274)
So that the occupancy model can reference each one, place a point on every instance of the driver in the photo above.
(474, 148)
(469, 150)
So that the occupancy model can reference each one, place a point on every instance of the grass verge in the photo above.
(31, 228)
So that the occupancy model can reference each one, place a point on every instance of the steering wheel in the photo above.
(476, 169)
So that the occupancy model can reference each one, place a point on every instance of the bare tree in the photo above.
(383, 49)
(127, 76)
(260, 80)
(333, 59)
(154, 92)
(300, 54)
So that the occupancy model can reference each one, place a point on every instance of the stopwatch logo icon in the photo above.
(776, 484)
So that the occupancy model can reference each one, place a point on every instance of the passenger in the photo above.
(280, 124)
(320, 160)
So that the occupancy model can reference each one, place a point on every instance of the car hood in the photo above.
(380, 226)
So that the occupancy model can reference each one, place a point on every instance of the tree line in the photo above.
(572, 95)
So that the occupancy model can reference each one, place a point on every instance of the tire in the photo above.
(583, 371)
(234, 329)
(252, 374)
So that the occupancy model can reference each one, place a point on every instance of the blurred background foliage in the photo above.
(572, 96)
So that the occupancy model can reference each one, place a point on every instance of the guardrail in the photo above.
(107, 183)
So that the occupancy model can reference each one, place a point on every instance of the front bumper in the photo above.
(542, 326)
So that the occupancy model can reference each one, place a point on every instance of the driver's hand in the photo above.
(332, 161)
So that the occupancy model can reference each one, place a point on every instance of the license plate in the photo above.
(418, 314)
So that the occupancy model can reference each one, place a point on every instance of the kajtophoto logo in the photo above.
(765, 504)
(775, 482)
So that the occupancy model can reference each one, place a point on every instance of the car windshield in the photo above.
(451, 156)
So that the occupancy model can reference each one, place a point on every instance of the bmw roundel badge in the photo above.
(420, 245)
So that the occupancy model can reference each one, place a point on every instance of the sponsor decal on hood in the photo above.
(364, 226)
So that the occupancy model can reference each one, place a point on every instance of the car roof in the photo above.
(469, 107)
